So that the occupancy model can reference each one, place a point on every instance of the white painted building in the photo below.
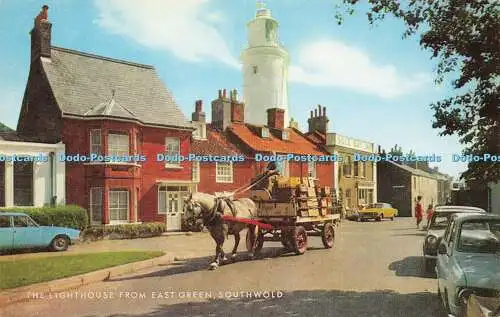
(356, 179)
(265, 69)
(37, 182)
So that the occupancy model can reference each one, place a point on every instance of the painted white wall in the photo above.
(495, 197)
(268, 87)
(42, 180)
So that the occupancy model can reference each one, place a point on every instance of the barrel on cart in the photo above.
(293, 210)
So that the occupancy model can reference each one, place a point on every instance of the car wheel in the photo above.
(392, 218)
(379, 218)
(60, 243)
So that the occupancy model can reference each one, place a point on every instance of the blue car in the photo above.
(19, 231)
(468, 260)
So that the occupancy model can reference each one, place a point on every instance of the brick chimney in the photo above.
(318, 120)
(276, 118)
(221, 111)
(237, 108)
(198, 114)
(41, 35)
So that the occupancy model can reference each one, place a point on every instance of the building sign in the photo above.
(340, 140)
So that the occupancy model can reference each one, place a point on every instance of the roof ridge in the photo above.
(105, 58)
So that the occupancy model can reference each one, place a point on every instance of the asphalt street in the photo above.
(374, 269)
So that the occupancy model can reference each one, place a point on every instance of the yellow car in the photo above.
(378, 212)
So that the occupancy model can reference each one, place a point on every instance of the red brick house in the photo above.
(228, 134)
(100, 105)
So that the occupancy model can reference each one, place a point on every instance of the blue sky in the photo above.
(376, 86)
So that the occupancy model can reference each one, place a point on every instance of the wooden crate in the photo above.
(291, 182)
(326, 191)
(323, 202)
(276, 209)
(311, 192)
(303, 188)
(283, 194)
(313, 212)
(323, 211)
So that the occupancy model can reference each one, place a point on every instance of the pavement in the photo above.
(374, 269)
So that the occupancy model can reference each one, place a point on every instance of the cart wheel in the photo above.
(328, 235)
(299, 240)
(286, 240)
(250, 240)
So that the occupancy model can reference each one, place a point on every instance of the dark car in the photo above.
(436, 229)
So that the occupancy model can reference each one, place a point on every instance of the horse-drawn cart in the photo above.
(293, 210)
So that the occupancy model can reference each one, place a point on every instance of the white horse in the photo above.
(211, 209)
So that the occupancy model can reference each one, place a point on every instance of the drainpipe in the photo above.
(52, 189)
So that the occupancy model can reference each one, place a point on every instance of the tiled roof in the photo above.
(316, 137)
(296, 144)
(88, 85)
(14, 137)
(4, 128)
(414, 171)
(215, 144)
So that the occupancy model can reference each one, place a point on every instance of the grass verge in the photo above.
(37, 270)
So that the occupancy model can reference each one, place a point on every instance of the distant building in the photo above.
(400, 185)
(356, 181)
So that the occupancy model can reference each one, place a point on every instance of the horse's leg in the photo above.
(236, 243)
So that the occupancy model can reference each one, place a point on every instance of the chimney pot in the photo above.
(224, 93)
(312, 114)
(315, 112)
(220, 94)
(199, 105)
(324, 111)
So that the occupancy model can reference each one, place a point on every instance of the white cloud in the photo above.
(333, 63)
(184, 28)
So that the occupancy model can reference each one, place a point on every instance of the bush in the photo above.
(126, 231)
(70, 216)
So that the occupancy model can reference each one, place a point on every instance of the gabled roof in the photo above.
(296, 143)
(215, 144)
(4, 128)
(88, 85)
(316, 137)
(412, 170)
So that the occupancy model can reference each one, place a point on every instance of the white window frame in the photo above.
(201, 131)
(92, 205)
(121, 221)
(311, 169)
(196, 172)
(168, 142)
(115, 146)
(220, 178)
(284, 169)
(92, 144)
(162, 210)
(265, 132)
(285, 135)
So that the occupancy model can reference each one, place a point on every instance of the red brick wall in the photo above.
(276, 118)
(80, 178)
(243, 172)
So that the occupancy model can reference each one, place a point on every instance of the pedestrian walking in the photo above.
(429, 212)
(419, 211)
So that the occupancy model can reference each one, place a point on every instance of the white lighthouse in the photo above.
(265, 69)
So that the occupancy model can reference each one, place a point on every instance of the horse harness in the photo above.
(217, 211)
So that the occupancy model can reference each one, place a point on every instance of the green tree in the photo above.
(464, 36)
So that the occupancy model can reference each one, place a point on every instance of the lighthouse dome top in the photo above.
(262, 11)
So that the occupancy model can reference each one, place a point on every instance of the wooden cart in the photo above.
(296, 209)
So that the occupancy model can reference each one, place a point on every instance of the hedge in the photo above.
(70, 216)
(126, 231)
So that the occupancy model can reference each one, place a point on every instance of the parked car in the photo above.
(436, 229)
(378, 211)
(19, 231)
(478, 306)
(468, 260)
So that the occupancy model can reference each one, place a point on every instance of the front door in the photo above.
(174, 211)
(6, 232)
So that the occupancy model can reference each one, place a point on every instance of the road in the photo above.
(374, 269)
